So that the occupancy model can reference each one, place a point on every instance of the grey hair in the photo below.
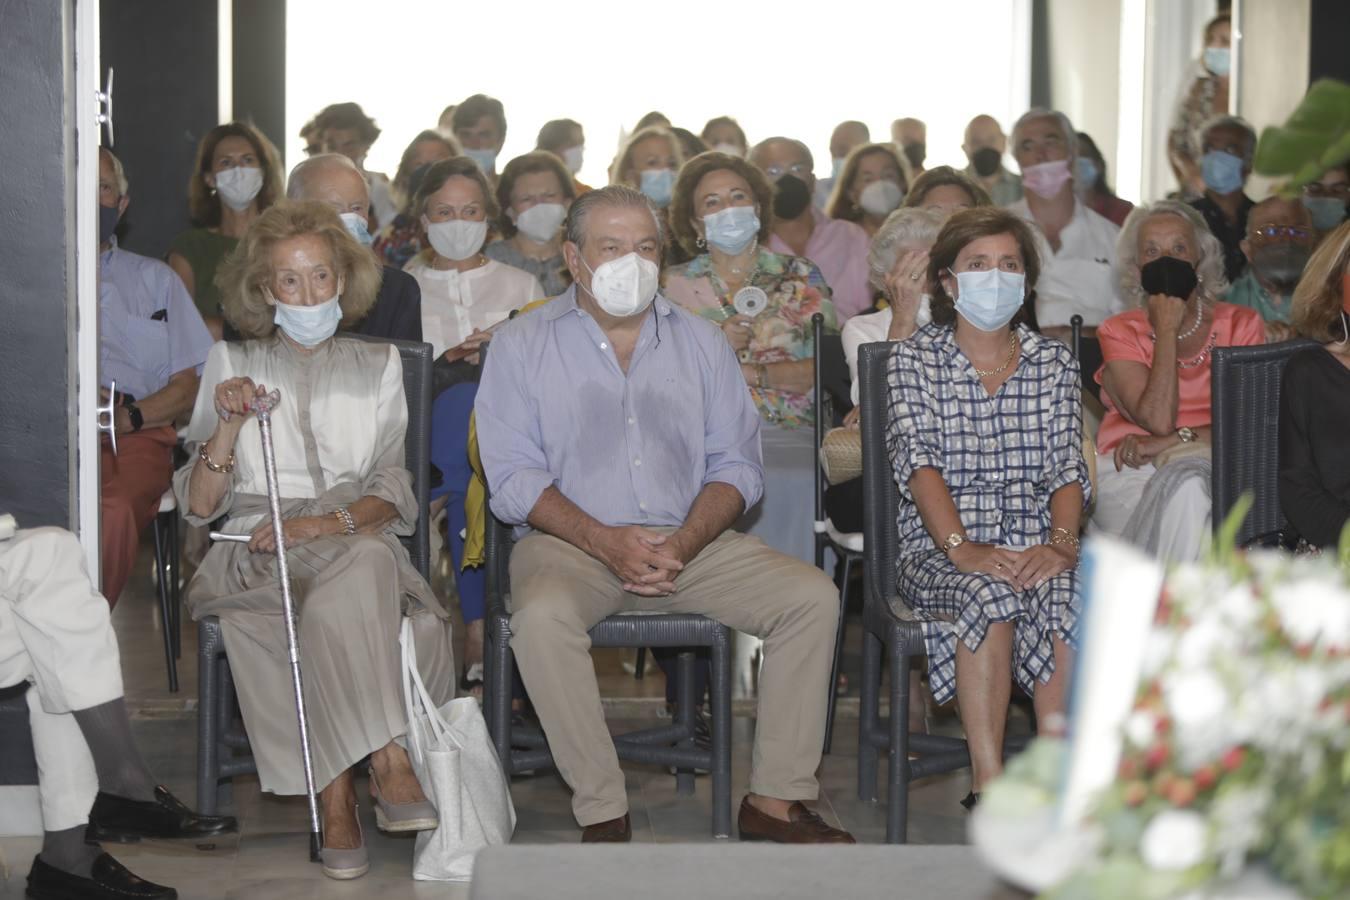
(1208, 264)
(614, 195)
(756, 150)
(297, 183)
(1040, 112)
(1237, 122)
(909, 226)
(119, 174)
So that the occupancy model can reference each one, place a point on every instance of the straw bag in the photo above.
(841, 454)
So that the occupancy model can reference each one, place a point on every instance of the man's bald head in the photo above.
(333, 179)
(846, 136)
(1277, 210)
(984, 131)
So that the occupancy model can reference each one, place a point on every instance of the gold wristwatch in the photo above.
(953, 541)
(1186, 435)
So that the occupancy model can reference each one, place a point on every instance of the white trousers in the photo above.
(55, 631)
(1185, 521)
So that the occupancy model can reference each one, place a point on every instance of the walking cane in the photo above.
(262, 407)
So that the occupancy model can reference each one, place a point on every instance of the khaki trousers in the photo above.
(55, 631)
(559, 592)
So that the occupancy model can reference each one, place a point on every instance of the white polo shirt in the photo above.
(1081, 277)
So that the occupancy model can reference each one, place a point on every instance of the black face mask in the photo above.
(108, 217)
(1281, 264)
(986, 161)
(791, 197)
(1169, 275)
(915, 154)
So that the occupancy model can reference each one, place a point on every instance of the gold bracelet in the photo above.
(206, 458)
(344, 517)
(762, 376)
(1065, 536)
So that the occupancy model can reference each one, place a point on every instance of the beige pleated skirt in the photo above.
(352, 594)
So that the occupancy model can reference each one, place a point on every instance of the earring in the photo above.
(700, 242)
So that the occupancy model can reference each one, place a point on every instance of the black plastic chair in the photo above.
(167, 576)
(525, 749)
(889, 623)
(830, 383)
(1245, 406)
(222, 746)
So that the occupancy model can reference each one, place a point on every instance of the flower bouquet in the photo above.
(1232, 748)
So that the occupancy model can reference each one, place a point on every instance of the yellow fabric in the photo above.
(475, 499)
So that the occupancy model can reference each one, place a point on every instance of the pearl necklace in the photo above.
(1012, 351)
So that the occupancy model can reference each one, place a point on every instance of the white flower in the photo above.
(1239, 606)
(1314, 610)
(1174, 840)
(1141, 727)
(1201, 642)
(1198, 704)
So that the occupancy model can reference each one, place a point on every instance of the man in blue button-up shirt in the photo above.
(153, 344)
(618, 435)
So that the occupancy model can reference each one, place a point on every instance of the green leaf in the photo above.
(1315, 137)
(1225, 541)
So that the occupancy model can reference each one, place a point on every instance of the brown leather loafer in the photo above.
(803, 827)
(615, 831)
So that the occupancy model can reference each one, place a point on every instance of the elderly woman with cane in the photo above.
(345, 497)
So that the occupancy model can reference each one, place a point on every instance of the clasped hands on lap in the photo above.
(645, 561)
(1023, 569)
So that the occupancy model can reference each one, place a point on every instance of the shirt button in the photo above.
(604, 346)
(637, 462)
(642, 506)
(632, 421)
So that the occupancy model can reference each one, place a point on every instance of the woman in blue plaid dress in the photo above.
(985, 439)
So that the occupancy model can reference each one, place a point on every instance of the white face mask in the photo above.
(625, 286)
(457, 239)
(309, 325)
(238, 186)
(571, 157)
(540, 223)
(729, 149)
(881, 198)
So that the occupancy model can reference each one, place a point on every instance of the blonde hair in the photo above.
(841, 205)
(622, 171)
(1318, 299)
(1209, 252)
(246, 274)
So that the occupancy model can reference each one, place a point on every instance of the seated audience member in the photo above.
(333, 179)
(93, 783)
(1229, 144)
(236, 177)
(445, 122)
(534, 194)
(1089, 179)
(613, 353)
(152, 344)
(1328, 197)
(346, 498)
(464, 293)
(480, 127)
(566, 140)
(985, 145)
(910, 137)
(870, 187)
(985, 440)
(649, 163)
(653, 119)
(311, 139)
(348, 130)
(1315, 401)
(1156, 381)
(1078, 266)
(945, 190)
(839, 249)
(401, 239)
(1280, 238)
(845, 137)
(762, 302)
(1206, 97)
(725, 135)
(691, 145)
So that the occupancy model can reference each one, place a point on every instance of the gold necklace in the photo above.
(1012, 351)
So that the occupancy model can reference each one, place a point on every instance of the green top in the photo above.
(1247, 291)
(204, 251)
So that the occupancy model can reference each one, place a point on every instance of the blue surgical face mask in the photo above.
(1218, 60)
(485, 159)
(309, 325)
(658, 185)
(356, 227)
(989, 300)
(1327, 212)
(1085, 173)
(837, 167)
(1222, 171)
(731, 230)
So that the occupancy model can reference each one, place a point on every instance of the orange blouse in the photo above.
(1127, 337)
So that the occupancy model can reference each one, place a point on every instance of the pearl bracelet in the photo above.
(344, 516)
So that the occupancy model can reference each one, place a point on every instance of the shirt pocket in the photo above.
(148, 345)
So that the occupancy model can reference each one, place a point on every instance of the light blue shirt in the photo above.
(555, 409)
(137, 349)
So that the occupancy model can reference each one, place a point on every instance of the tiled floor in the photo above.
(268, 858)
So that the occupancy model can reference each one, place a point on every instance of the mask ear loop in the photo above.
(1345, 331)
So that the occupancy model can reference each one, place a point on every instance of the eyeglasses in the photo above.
(798, 169)
(1297, 232)
(1317, 189)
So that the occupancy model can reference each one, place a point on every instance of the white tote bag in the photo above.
(458, 768)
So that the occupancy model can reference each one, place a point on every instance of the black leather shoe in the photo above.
(110, 880)
(116, 818)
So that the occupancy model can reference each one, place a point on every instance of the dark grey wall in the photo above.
(260, 67)
(165, 56)
(1329, 56)
(36, 306)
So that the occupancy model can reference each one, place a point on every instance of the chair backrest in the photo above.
(1245, 404)
(881, 498)
(417, 387)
